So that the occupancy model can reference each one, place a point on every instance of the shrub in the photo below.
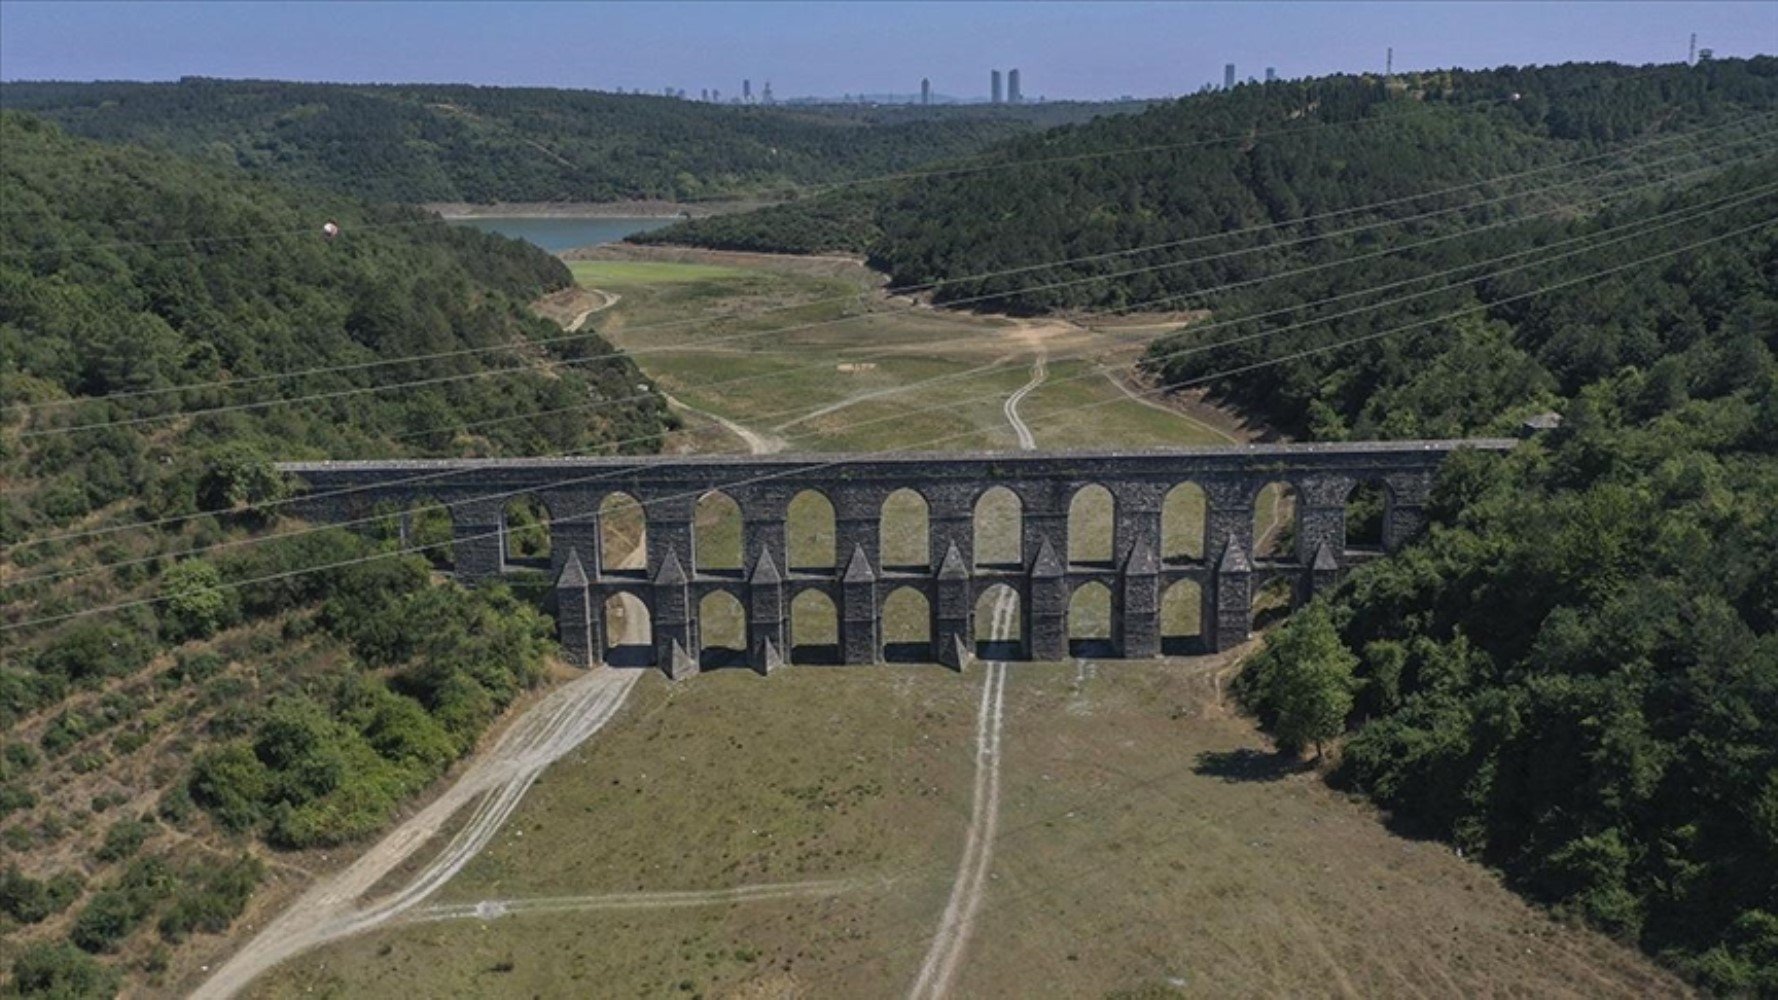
(214, 902)
(115, 913)
(124, 839)
(232, 784)
(63, 972)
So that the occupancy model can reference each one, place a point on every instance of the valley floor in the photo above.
(1147, 838)
(1080, 829)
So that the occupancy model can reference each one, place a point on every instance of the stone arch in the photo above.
(998, 636)
(907, 626)
(809, 532)
(1365, 507)
(716, 534)
(904, 526)
(1182, 523)
(525, 532)
(722, 631)
(1182, 609)
(814, 628)
(999, 523)
(623, 534)
(1089, 620)
(1274, 521)
(1092, 519)
(629, 631)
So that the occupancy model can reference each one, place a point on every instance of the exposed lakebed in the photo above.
(559, 234)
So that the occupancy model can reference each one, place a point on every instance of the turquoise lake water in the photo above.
(556, 235)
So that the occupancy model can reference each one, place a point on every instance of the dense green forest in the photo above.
(1278, 154)
(145, 295)
(1575, 677)
(437, 143)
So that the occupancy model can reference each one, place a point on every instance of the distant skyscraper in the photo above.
(925, 91)
(766, 95)
(994, 87)
(746, 91)
(1271, 73)
(1228, 77)
(1012, 86)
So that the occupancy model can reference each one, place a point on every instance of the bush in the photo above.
(124, 839)
(63, 972)
(233, 785)
(92, 651)
(30, 900)
(115, 913)
(213, 903)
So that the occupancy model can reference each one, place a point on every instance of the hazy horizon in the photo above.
(1065, 51)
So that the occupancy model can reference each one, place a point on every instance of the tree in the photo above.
(1310, 681)
(197, 604)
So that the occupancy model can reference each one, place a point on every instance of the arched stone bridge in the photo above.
(1223, 564)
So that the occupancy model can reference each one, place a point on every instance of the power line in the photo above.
(985, 297)
(1639, 229)
(803, 469)
(232, 384)
(1245, 136)
(955, 376)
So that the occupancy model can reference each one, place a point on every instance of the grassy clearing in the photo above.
(816, 356)
(620, 275)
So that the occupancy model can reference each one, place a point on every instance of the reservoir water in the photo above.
(559, 234)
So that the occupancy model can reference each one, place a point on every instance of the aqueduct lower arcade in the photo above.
(1039, 562)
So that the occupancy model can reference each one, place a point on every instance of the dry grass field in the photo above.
(1148, 839)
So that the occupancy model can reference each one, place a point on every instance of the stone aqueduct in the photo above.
(671, 587)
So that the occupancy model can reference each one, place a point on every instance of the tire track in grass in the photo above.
(945, 955)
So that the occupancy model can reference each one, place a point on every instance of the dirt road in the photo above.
(609, 299)
(945, 955)
(757, 443)
(1039, 372)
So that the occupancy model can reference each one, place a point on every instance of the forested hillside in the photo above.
(261, 683)
(1260, 155)
(1575, 677)
(421, 143)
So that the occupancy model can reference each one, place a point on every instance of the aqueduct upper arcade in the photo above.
(858, 577)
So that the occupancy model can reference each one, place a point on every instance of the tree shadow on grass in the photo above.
(1248, 765)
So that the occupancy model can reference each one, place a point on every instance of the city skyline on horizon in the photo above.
(1071, 51)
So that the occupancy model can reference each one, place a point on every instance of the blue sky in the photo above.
(1085, 50)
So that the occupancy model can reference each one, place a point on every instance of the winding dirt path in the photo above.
(757, 443)
(1135, 396)
(610, 299)
(1039, 372)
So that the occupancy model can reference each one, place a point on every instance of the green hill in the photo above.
(260, 681)
(439, 143)
(1259, 155)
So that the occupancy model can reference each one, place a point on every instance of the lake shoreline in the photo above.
(641, 209)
